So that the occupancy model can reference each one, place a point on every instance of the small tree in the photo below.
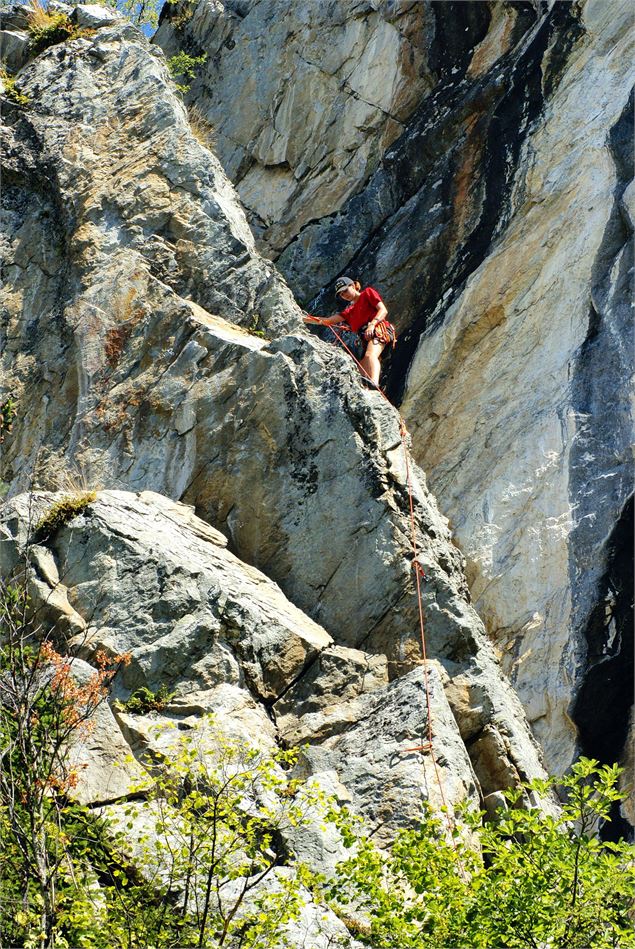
(208, 841)
(43, 709)
(140, 12)
(550, 880)
(209, 866)
(183, 67)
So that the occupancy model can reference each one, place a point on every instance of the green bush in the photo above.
(254, 327)
(527, 880)
(7, 409)
(48, 28)
(157, 874)
(145, 700)
(184, 66)
(43, 708)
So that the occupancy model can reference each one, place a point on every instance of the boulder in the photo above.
(94, 15)
(148, 578)
(170, 594)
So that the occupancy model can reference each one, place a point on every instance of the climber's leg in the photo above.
(370, 360)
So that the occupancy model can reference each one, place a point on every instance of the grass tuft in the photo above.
(63, 511)
(202, 130)
(47, 28)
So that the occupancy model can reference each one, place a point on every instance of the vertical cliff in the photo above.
(249, 541)
(148, 345)
(471, 160)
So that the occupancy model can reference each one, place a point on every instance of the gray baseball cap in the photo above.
(342, 282)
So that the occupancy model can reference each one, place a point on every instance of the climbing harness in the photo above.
(426, 747)
(384, 332)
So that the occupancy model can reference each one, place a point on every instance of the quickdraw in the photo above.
(385, 332)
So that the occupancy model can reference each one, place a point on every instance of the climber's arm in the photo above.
(334, 320)
(324, 320)
(381, 314)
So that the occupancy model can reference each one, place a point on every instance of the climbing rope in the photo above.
(427, 746)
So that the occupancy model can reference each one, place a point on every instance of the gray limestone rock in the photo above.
(129, 380)
(135, 190)
(14, 49)
(383, 736)
(189, 613)
(94, 15)
(100, 754)
(489, 203)
(293, 163)
(15, 16)
(148, 578)
(279, 446)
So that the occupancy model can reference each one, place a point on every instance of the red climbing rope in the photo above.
(419, 575)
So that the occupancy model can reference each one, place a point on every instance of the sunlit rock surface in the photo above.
(128, 229)
(490, 203)
(145, 577)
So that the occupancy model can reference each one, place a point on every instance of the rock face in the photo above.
(548, 475)
(310, 485)
(145, 576)
(480, 179)
(323, 89)
(103, 109)
(127, 348)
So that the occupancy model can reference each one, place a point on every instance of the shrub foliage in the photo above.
(527, 880)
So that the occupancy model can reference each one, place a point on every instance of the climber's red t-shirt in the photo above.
(363, 310)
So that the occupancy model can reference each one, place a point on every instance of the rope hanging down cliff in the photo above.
(426, 746)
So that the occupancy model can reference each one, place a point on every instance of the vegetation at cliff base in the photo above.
(203, 857)
(529, 879)
(205, 851)
(44, 708)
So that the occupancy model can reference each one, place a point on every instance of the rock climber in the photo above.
(366, 315)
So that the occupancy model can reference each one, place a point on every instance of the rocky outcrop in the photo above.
(277, 464)
(102, 110)
(144, 576)
(480, 180)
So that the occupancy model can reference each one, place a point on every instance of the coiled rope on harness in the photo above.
(426, 746)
